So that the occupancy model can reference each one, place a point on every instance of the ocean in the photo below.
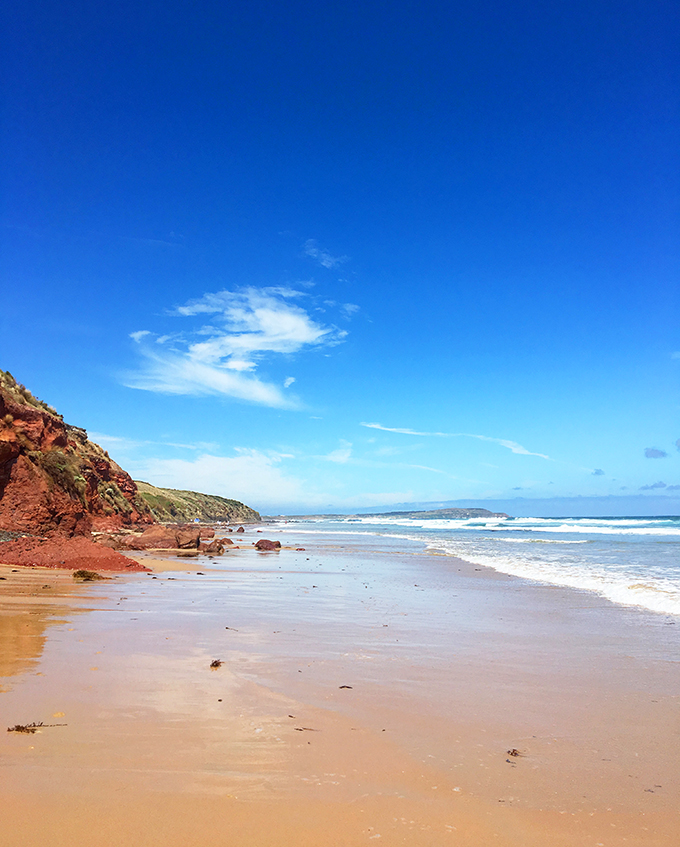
(632, 561)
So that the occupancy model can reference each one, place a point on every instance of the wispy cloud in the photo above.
(504, 442)
(120, 443)
(342, 455)
(321, 255)
(654, 485)
(654, 453)
(598, 472)
(246, 326)
(348, 309)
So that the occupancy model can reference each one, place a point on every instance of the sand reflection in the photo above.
(32, 601)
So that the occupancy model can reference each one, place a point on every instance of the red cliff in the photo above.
(52, 478)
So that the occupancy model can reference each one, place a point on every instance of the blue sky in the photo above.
(322, 257)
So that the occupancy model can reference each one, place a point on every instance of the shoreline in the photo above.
(625, 591)
(448, 667)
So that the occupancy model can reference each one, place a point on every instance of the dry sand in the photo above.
(447, 667)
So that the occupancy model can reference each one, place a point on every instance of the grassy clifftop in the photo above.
(169, 504)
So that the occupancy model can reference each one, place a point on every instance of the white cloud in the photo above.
(288, 381)
(504, 442)
(323, 257)
(137, 336)
(254, 477)
(342, 455)
(221, 358)
(176, 374)
(250, 476)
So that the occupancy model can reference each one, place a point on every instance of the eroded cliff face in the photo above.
(52, 478)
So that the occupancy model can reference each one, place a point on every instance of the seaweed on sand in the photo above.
(87, 576)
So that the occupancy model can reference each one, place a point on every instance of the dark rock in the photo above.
(265, 544)
(215, 547)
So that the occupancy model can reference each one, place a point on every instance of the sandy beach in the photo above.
(368, 692)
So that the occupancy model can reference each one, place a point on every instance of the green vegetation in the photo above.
(62, 469)
(113, 498)
(21, 395)
(169, 504)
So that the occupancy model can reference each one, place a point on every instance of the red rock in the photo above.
(207, 532)
(215, 547)
(265, 544)
(240, 529)
(70, 553)
(299, 549)
(188, 538)
(157, 538)
(114, 542)
(226, 540)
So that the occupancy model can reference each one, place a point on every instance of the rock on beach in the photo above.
(265, 544)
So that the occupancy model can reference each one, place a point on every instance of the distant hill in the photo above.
(170, 504)
(442, 514)
(416, 514)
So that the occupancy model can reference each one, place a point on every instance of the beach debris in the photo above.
(231, 628)
(87, 576)
(305, 729)
(30, 728)
(216, 663)
(514, 752)
(344, 686)
(299, 549)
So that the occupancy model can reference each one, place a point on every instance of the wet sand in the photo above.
(369, 692)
